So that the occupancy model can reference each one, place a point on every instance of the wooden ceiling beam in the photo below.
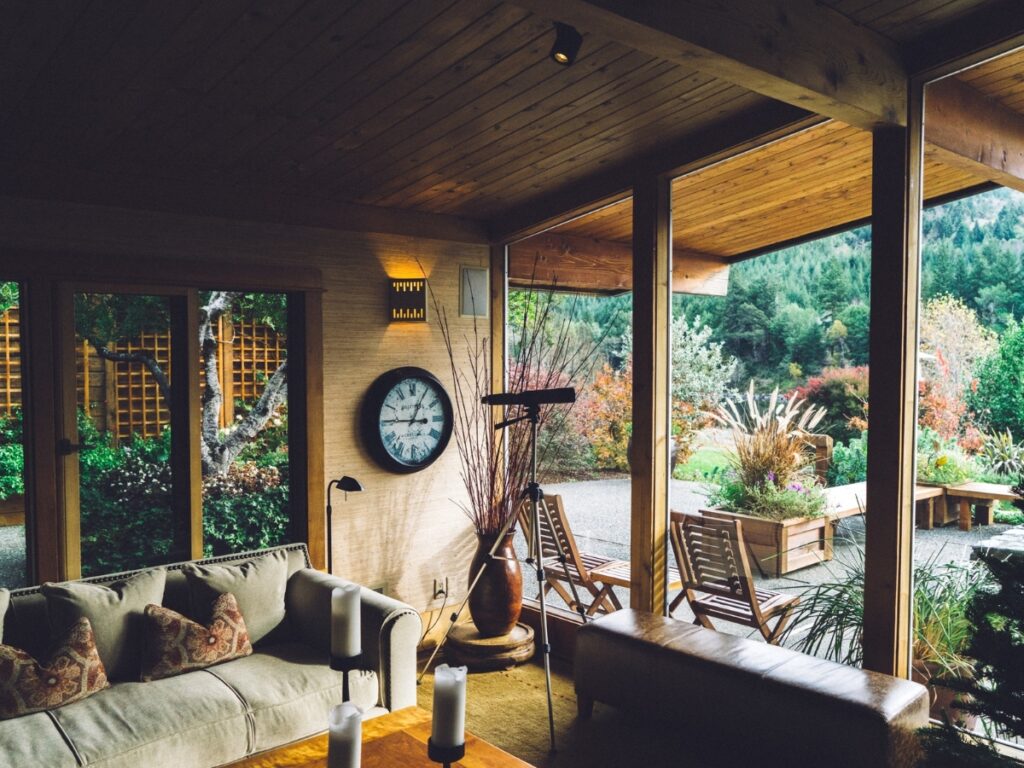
(971, 131)
(731, 137)
(243, 203)
(800, 52)
(570, 262)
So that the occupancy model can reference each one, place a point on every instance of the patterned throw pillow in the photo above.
(73, 673)
(176, 644)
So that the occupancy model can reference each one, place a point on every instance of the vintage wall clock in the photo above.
(406, 419)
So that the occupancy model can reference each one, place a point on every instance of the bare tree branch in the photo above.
(145, 358)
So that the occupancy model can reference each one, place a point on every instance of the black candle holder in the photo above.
(345, 664)
(445, 755)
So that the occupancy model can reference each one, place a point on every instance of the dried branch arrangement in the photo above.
(544, 353)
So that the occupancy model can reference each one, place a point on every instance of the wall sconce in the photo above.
(408, 300)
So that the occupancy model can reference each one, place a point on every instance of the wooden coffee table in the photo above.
(395, 739)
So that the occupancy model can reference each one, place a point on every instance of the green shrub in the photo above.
(843, 393)
(849, 462)
(246, 509)
(942, 461)
(12, 456)
(998, 397)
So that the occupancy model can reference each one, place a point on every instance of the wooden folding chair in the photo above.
(712, 558)
(581, 565)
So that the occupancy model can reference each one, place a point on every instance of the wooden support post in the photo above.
(306, 422)
(498, 317)
(895, 289)
(62, 316)
(498, 275)
(186, 421)
(41, 396)
(652, 316)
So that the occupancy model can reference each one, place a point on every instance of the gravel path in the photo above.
(12, 556)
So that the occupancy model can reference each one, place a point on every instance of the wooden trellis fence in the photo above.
(124, 399)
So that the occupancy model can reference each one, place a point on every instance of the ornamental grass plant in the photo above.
(770, 474)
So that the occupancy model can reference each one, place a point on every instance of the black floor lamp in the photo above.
(348, 485)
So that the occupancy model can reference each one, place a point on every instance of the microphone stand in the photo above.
(534, 558)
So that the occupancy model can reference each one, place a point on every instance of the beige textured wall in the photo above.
(404, 530)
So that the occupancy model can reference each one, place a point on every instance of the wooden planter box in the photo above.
(778, 547)
(12, 511)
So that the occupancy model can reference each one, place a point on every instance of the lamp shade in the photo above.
(348, 484)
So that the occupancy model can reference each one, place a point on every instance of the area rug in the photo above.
(509, 709)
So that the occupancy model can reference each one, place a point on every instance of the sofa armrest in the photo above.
(390, 631)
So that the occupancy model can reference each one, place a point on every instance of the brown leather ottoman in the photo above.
(762, 704)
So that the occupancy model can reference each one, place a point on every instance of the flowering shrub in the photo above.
(245, 509)
(939, 411)
(604, 414)
(843, 393)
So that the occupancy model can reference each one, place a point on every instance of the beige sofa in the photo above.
(279, 694)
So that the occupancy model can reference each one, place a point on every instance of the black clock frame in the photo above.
(373, 400)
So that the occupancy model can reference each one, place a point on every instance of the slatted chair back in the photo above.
(555, 531)
(712, 555)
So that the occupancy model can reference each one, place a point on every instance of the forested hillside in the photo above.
(791, 313)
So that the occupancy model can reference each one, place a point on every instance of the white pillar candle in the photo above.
(345, 627)
(345, 736)
(449, 726)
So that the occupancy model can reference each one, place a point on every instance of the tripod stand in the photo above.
(534, 557)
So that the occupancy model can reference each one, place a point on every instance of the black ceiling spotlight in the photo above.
(567, 44)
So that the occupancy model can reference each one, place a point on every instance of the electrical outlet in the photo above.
(440, 588)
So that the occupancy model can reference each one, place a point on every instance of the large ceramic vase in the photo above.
(496, 602)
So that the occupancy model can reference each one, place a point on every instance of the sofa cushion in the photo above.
(115, 613)
(73, 672)
(176, 644)
(34, 740)
(258, 585)
(189, 721)
(289, 690)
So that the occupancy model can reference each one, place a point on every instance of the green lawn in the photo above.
(702, 464)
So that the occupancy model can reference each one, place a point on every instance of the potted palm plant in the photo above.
(771, 484)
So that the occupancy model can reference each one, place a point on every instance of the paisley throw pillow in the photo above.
(176, 644)
(73, 672)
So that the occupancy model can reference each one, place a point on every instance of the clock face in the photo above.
(407, 419)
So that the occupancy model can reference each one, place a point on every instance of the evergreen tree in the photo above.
(834, 288)
(996, 691)
(857, 319)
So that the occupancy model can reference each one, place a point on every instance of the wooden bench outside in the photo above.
(982, 496)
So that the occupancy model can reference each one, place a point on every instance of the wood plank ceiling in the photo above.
(814, 180)
(447, 106)
(444, 107)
